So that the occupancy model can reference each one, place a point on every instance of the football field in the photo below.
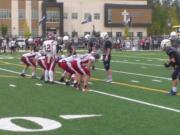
(135, 103)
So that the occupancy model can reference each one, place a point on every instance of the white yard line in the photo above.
(135, 63)
(150, 76)
(137, 101)
(159, 81)
(117, 96)
(134, 81)
(12, 85)
(135, 57)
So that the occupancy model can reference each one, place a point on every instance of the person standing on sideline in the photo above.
(174, 62)
(107, 55)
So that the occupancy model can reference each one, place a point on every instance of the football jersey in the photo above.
(49, 47)
(29, 55)
(69, 59)
(85, 58)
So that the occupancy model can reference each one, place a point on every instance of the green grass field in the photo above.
(135, 103)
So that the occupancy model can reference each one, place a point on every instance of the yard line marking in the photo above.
(125, 60)
(72, 117)
(129, 73)
(90, 83)
(39, 84)
(118, 83)
(12, 85)
(135, 57)
(135, 86)
(121, 97)
(144, 67)
(116, 71)
(156, 80)
(8, 76)
(135, 63)
(134, 81)
(137, 60)
(137, 101)
(149, 60)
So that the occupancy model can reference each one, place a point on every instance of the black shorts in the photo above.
(176, 73)
(106, 63)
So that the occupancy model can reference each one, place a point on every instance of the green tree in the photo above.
(26, 30)
(4, 30)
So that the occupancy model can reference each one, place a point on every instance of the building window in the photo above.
(85, 33)
(5, 14)
(74, 15)
(34, 14)
(21, 32)
(110, 16)
(110, 34)
(22, 14)
(86, 15)
(118, 34)
(53, 16)
(96, 16)
(66, 34)
(34, 32)
(65, 15)
(140, 34)
(74, 34)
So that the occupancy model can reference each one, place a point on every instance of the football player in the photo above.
(107, 55)
(174, 62)
(30, 59)
(65, 64)
(82, 65)
(49, 49)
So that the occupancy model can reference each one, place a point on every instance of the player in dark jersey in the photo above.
(107, 56)
(174, 62)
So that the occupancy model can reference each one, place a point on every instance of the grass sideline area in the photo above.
(135, 103)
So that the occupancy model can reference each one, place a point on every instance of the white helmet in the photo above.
(173, 35)
(65, 38)
(104, 35)
(165, 43)
(87, 36)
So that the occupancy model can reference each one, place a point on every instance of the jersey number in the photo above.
(48, 48)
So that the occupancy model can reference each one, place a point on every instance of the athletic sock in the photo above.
(174, 89)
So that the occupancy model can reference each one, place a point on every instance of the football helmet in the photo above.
(65, 38)
(165, 43)
(104, 35)
(173, 35)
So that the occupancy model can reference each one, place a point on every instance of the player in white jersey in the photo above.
(12, 46)
(82, 66)
(30, 59)
(65, 64)
(49, 49)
